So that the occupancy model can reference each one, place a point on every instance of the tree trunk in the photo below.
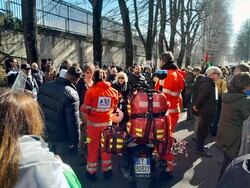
(149, 42)
(127, 32)
(162, 25)
(181, 54)
(97, 34)
(188, 58)
(183, 36)
(30, 30)
(174, 9)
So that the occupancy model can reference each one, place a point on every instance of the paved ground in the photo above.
(193, 171)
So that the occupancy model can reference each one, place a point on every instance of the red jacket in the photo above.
(99, 103)
(172, 86)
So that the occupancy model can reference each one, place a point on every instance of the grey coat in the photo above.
(235, 110)
(245, 144)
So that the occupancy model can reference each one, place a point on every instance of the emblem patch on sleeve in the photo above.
(104, 102)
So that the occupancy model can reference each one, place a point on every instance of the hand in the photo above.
(58, 157)
(195, 109)
(155, 79)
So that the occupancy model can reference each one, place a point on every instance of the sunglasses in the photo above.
(121, 78)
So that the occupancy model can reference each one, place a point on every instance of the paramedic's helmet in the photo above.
(117, 116)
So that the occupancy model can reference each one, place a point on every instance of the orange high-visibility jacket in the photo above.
(172, 86)
(99, 103)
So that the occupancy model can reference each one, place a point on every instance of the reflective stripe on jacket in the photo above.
(104, 124)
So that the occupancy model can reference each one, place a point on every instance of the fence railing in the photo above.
(62, 16)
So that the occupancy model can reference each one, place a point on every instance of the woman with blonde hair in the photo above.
(24, 159)
(121, 84)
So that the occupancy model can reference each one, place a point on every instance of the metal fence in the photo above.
(62, 16)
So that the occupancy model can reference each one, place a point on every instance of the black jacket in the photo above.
(31, 84)
(38, 75)
(81, 90)
(205, 101)
(194, 96)
(59, 101)
(134, 80)
(124, 89)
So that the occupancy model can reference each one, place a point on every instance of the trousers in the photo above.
(93, 140)
(206, 120)
(169, 157)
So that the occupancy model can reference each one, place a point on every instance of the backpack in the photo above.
(113, 140)
(149, 118)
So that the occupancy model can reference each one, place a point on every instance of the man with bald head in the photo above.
(37, 74)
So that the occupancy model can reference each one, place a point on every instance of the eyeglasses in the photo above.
(216, 73)
(121, 78)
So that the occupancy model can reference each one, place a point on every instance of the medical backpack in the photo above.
(149, 118)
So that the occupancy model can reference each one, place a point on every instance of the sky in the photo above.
(240, 13)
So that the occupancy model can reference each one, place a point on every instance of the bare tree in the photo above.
(127, 32)
(174, 11)
(217, 29)
(242, 47)
(151, 26)
(191, 11)
(30, 29)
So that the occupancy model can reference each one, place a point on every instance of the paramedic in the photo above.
(99, 103)
(172, 85)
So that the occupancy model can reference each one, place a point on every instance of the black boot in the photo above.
(82, 160)
(91, 177)
(166, 176)
(107, 175)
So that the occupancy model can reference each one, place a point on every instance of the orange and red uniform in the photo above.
(99, 103)
(172, 86)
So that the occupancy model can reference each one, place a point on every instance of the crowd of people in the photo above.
(78, 103)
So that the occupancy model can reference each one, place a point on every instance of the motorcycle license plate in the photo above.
(142, 166)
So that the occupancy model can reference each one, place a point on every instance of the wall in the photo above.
(58, 46)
